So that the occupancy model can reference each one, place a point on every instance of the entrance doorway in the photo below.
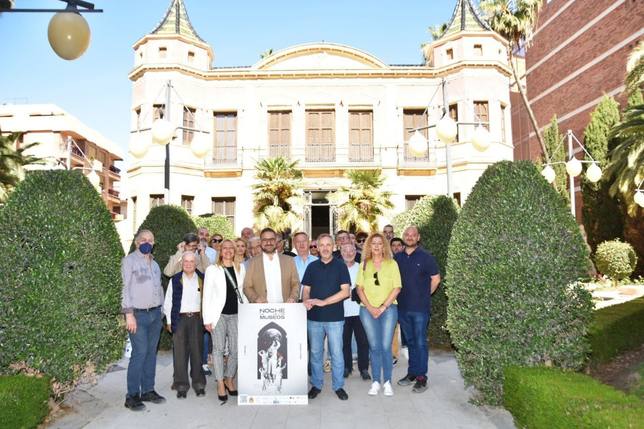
(319, 213)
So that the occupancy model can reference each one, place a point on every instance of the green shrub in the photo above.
(514, 260)
(168, 224)
(434, 216)
(23, 401)
(615, 259)
(616, 329)
(216, 224)
(60, 296)
(547, 398)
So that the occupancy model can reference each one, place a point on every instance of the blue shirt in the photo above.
(324, 281)
(301, 265)
(416, 271)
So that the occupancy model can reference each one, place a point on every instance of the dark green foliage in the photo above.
(547, 398)
(168, 224)
(216, 224)
(514, 259)
(23, 401)
(434, 217)
(61, 289)
(615, 259)
(602, 215)
(616, 329)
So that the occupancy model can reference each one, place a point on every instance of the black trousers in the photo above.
(188, 347)
(353, 325)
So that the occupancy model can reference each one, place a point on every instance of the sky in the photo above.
(95, 88)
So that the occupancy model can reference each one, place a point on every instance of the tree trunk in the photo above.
(526, 103)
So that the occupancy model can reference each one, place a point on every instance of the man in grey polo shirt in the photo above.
(141, 304)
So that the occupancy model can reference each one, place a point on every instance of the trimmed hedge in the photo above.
(616, 329)
(168, 224)
(547, 398)
(23, 401)
(60, 295)
(615, 259)
(435, 217)
(514, 260)
(216, 224)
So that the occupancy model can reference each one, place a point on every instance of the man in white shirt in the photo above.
(271, 276)
(182, 308)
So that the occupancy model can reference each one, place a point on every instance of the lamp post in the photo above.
(68, 32)
(163, 132)
(574, 168)
(447, 130)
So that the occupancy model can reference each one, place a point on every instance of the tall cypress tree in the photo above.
(602, 215)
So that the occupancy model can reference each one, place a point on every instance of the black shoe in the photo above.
(200, 392)
(365, 375)
(153, 397)
(314, 392)
(230, 392)
(347, 373)
(342, 395)
(182, 395)
(421, 385)
(134, 403)
(406, 380)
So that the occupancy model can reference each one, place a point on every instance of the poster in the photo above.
(273, 356)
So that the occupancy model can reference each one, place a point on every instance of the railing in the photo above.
(114, 169)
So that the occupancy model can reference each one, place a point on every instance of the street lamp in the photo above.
(68, 32)
(574, 168)
(163, 132)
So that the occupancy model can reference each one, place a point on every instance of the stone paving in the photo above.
(444, 405)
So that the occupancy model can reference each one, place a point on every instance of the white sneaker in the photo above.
(375, 387)
(387, 389)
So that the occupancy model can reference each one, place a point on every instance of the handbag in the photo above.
(354, 295)
(234, 283)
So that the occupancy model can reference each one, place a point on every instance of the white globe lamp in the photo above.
(573, 167)
(199, 146)
(68, 34)
(162, 131)
(446, 129)
(481, 138)
(138, 147)
(594, 173)
(418, 144)
(548, 173)
(639, 198)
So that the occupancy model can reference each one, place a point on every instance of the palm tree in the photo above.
(515, 21)
(278, 195)
(12, 161)
(361, 203)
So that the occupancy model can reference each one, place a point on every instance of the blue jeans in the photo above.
(207, 348)
(414, 326)
(333, 332)
(380, 333)
(143, 361)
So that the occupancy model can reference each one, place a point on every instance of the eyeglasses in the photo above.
(216, 240)
(313, 247)
(359, 241)
(376, 281)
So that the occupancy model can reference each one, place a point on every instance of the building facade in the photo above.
(329, 106)
(65, 142)
(578, 54)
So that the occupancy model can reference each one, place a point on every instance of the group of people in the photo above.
(354, 285)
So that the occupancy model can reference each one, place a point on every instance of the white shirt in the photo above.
(352, 308)
(190, 298)
(273, 278)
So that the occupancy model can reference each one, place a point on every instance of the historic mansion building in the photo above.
(329, 106)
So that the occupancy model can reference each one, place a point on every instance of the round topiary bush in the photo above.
(514, 260)
(434, 216)
(216, 224)
(168, 224)
(615, 259)
(60, 295)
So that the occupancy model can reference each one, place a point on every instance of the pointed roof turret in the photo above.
(465, 18)
(176, 22)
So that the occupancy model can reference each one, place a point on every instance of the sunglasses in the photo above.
(359, 241)
(313, 247)
(216, 240)
(376, 280)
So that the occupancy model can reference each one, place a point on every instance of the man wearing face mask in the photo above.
(141, 303)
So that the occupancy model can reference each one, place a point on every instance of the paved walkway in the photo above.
(444, 405)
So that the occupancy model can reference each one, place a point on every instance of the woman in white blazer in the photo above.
(221, 299)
